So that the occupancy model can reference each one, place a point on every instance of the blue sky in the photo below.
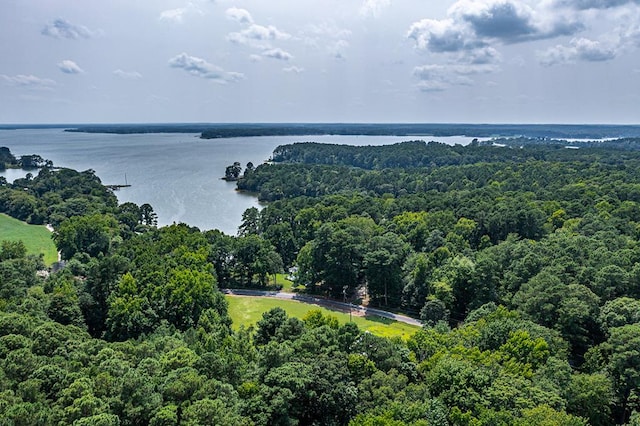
(479, 61)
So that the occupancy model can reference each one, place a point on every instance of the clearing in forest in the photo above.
(36, 238)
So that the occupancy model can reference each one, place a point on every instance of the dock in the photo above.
(117, 187)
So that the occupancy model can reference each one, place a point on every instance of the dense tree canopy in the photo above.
(523, 263)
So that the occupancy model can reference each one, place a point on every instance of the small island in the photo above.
(27, 162)
(233, 172)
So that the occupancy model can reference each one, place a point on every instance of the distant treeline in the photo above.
(627, 143)
(421, 154)
(230, 130)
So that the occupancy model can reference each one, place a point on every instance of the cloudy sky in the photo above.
(466, 61)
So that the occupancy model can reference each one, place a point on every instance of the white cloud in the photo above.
(629, 36)
(178, 15)
(293, 69)
(198, 67)
(373, 7)
(483, 55)
(255, 35)
(579, 49)
(239, 15)
(173, 15)
(69, 67)
(128, 75)
(444, 35)
(473, 30)
(27, 81)
(277, 53)
(473, 24)
(61, 28)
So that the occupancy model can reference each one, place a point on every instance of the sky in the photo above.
(425, 61)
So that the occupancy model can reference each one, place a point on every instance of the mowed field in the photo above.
(248, 310)
(36, 237)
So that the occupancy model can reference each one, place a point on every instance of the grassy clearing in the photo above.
(248, 310)
(287, 286)
(36, 237)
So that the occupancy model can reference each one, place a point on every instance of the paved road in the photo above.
(323, 302)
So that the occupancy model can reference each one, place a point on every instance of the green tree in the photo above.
(250, 222)
(268, 326)
(591, 396)
(148, 216)
(619, 356)
(434, 311)
(129, 313)
(12, 250)
(619, 312)
(546, 416)
(85, 234)
(256, 256)
(63, 306)
(383, 259)
(337, 253)
(165, 416)
(210, 411)
(233, 171)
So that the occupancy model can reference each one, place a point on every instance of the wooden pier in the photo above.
(116, 187)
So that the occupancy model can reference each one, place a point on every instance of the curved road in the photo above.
(323, 302)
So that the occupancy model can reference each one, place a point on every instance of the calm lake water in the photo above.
(178, 174)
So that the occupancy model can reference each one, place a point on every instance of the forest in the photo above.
(522, 261)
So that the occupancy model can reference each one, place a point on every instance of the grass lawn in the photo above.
(248, 310)
(36, 237)
(287, 286)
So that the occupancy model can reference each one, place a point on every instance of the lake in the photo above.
(178, 174)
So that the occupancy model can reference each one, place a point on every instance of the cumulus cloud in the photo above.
(239, 15)
(61, 28)
(69, 67)
(506, 20)
(277, 53)
(443, 36)
(255, 35)
(579, 49)
(27, 81)
(473, 30)
(472, 24)
(127, 75)
(438, 77)
(373, 7)
(293, 69)
(198, 67)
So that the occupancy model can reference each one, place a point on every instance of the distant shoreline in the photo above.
(230, 130)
